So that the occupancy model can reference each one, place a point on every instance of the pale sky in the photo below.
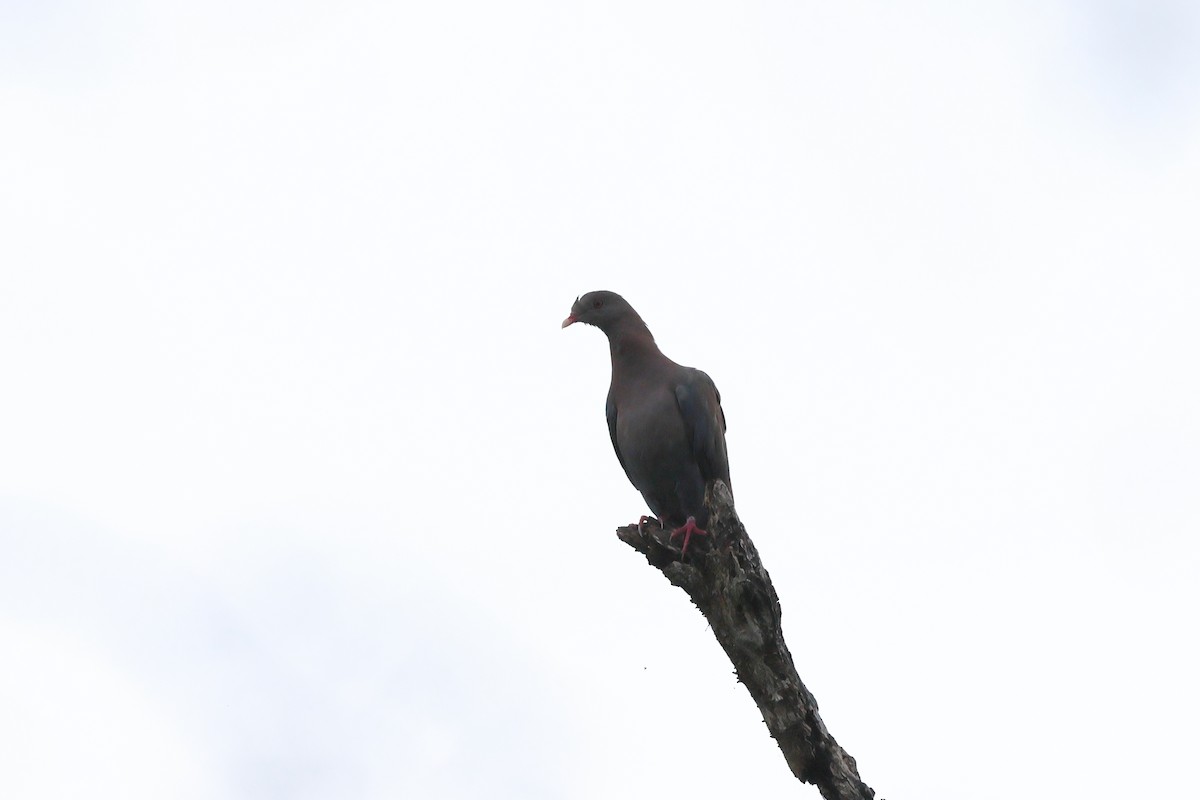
(305, 494)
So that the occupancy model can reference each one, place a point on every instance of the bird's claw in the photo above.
(642, 522)
(687, 529)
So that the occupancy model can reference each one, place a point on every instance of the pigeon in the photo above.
(665, 420)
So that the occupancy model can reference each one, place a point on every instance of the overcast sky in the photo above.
(305, 494)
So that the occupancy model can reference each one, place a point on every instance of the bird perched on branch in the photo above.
(665, 420)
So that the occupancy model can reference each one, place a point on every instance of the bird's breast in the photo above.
(650, 431)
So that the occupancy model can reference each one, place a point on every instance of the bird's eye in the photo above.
(597, 303)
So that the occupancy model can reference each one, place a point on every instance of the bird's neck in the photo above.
(632, 345)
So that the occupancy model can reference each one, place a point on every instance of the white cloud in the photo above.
(279, 331)
(75, 724)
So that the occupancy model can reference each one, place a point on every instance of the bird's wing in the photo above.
(610, 411)
(700, 405)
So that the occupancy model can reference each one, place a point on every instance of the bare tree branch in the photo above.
(726, 580)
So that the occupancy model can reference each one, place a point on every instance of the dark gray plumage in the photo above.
(665, 420)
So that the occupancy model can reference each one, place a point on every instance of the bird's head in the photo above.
(602, 309)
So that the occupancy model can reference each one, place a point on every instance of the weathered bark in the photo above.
(725, 578)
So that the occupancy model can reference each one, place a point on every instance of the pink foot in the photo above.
(687, 530)
(642, 522)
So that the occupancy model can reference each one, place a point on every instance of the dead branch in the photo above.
(725, 578)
